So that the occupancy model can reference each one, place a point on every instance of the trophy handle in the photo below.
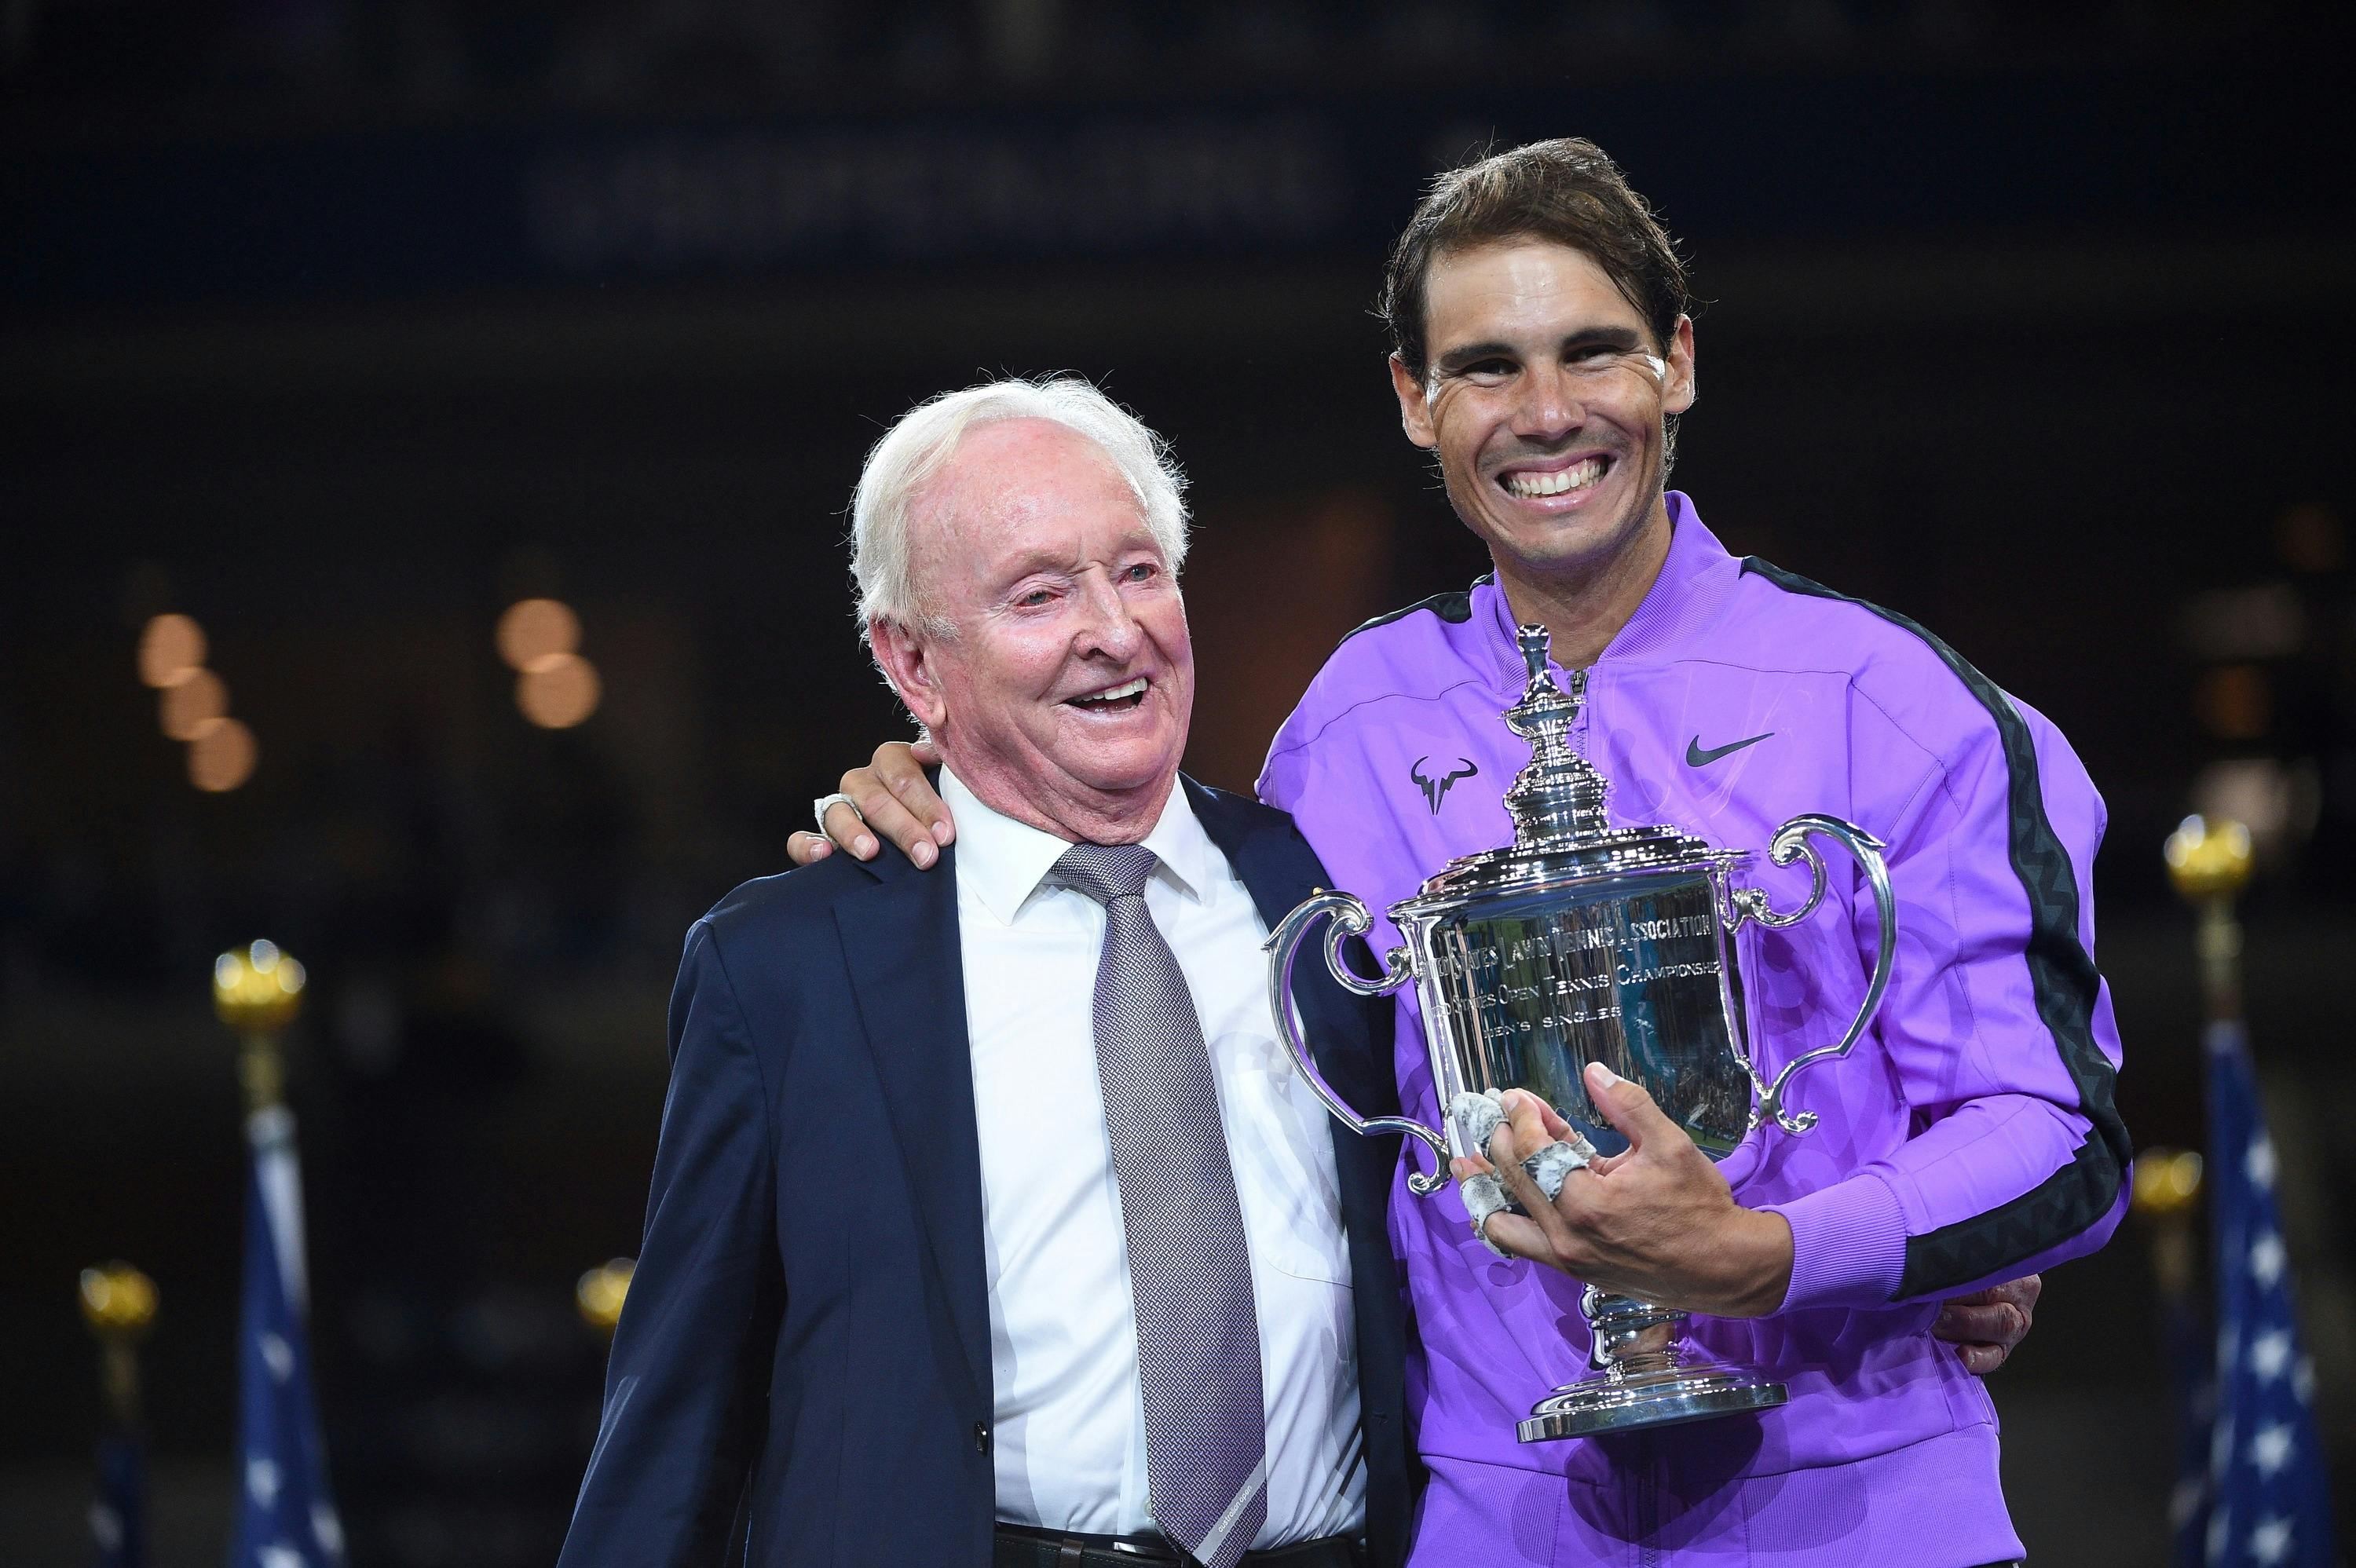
(1350, 919)
(1790, 842)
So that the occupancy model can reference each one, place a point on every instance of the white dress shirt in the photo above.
(1069, 1424)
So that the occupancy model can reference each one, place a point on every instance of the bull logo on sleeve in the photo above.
(1435, 790)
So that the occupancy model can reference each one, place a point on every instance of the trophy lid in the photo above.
(1556, 802)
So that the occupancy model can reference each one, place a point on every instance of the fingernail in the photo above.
(1602, 1074)
(923, 853)
(821, 850)
(945, 833)
(863, 846)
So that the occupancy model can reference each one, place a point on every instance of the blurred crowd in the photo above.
(112, 66)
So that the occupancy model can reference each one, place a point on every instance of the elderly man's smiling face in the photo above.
(1057, 676)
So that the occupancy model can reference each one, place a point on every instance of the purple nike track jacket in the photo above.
(1970, 1137)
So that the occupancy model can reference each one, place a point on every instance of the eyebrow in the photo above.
(1620, 339)
(1056, 563)
(1023, 565)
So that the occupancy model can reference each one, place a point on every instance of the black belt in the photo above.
(1021, 1546)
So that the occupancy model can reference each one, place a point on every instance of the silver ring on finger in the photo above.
(824, 803)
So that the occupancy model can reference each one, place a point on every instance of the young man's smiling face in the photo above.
(1544, 398)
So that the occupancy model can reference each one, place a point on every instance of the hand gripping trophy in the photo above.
(1581, 943)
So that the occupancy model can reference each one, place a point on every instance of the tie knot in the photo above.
(1107, 871)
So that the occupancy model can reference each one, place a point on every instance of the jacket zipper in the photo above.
(1648, 1505)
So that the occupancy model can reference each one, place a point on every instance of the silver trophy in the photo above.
(1588, 943)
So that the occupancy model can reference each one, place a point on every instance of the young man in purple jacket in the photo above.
(1542, 351)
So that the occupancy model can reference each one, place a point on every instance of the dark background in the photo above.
(340, 326)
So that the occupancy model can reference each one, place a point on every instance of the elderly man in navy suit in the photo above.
(1104, 1286)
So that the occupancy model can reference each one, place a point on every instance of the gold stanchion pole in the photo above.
(2209, 864)
(257, 992)
(599, 1294)
(2168, 1202)
(118, 1302)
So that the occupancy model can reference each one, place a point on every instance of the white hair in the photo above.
(915, 448)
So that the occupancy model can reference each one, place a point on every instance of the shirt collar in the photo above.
(1685, 599)
(1002, 861)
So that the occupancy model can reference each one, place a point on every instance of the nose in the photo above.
(1549, 409)
(1107, 630)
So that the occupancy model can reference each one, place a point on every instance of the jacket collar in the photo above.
(1685, 600)
(1005, 861)
(1271, 861)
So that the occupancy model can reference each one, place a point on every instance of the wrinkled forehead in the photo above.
(1020, 487)
(1522, 287)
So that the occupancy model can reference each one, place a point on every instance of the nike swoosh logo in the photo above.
(1697, 758)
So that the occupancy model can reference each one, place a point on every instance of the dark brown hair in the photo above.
(1564, 190)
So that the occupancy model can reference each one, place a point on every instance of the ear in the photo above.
(1680, 390)
(905, 657)
(1415, 408)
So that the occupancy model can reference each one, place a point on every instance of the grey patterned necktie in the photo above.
(1197, 1326)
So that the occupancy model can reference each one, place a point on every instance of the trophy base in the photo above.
(1632, 1402)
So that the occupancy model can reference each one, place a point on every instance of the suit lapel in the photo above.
(900, 942)
(1276, 880)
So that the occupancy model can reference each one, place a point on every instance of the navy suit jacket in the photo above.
(802, 1370)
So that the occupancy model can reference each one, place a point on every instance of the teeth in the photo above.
(1132, 690)
(1578, 477)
